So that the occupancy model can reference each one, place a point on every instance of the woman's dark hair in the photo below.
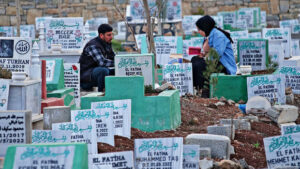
(207, 23)
(103, 28)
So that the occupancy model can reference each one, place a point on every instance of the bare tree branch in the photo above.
(127, 25)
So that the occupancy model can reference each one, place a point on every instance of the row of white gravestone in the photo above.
(148, 153)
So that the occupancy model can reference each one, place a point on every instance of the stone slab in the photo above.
(56, 114)
(25, 96)
(15, 128)
(222, 130)
(219, 144)
(239, 124)
(283, 113)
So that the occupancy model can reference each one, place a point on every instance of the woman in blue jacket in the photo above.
(221, 41)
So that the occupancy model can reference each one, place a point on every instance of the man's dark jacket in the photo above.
(87, 63)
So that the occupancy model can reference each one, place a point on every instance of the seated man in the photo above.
(97, 59)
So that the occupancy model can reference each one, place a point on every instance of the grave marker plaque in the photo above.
(159, 153)
(185, 47)
(15, 54)
(51, 136)
(4, 91)
(47, 156)
(251, 15)
(191, 156)
(272, 87)
(121, 110)
(179, 75)
(253, 52)
(283, 151)
(292, 77)
(104, 126)
(280, 34)
(136, 65)
(65, 31)
(165, 46)
(188, 24)
(15, 128)
(276, 53)
(115, 160)
(263, 18)
(27, 31)
(82, 132)
(235, 36)
(72, 79)
(39, 20)
(229, 19)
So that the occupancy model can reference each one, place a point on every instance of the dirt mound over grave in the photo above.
(197, 114)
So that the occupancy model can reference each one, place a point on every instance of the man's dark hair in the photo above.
(103, 28)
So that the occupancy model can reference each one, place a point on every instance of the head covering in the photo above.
(206, 24)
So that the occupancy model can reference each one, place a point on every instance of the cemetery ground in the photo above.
(198, 113)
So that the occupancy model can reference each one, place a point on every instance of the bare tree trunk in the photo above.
(149, 32)
(18, 17)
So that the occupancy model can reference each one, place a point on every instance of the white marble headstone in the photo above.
(295, 47)
(280, 34)
(65, 31)
(12, 130)
(72, 79)
(191, 156)
(136, 65)
(180, 76)
(283, 151)
(44, 157)
(104, 125)
(15, 54)
(165, 46)
(159, 153)
(121, 110)
(272, 87)
(253, 52)
(237, 35)
(82, 132)
(292, 77)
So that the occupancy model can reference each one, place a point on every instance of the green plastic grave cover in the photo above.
(67, 94)
(80, 160)
(58, 81)
(232, 87)
(149, 113)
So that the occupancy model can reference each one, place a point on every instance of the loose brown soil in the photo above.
(198, 113)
